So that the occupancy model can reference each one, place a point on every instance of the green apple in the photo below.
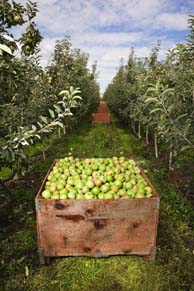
(63, 196)
(70, 181)
(63, 192)
(98, 183)
(115, 188)
(118, 183)
(102, 168)
(101, 195)
(55, 196)
(60, 185)
(96, 190)
(109, 178)
(88, 195)
(90, 184)
(79, 185)
(46, 194)
(131, 193)
(47, 184)
(68, 187)
(71, 194)
(148, 190)
(116, 196)
(122, 192)
(80, 196)
(52, 187)
(85, 189)
(95, 167)
(88, 171)
(105, 188)
(108, 195)
(139, 195)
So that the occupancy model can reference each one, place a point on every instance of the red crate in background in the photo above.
(102, 115)
(101, 118)
(102, 108)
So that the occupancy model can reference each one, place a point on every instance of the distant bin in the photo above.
(102, 108)
(101, 118)
(102, 115)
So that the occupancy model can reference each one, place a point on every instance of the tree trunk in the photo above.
(22, 118)
(64, 130)
(147, 136)
(139, 130)
(133, 127)
(59, 132)
(156, 144)
(170, 161)
(43, 154)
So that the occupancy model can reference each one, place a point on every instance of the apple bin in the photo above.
(101, 118)
(96, 227)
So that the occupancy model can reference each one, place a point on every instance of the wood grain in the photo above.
(83, 227)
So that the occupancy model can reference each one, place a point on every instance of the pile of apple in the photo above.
(96, 178)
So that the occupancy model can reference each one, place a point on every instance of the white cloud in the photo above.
(47, 48)
(108, 29)
(111, 38)
(172, 21)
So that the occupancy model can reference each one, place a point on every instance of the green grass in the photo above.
(174, 265)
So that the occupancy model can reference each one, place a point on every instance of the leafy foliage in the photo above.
(15, 14)
(33, 101)
(157, 97)
(13, 148)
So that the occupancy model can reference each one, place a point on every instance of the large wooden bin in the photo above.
(96, 228)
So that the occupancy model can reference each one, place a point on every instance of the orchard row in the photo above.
(156, 97)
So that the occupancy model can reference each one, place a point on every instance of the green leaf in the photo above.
(34, 128)
(155, 110)
(52, 114)
(59, 124)
(24, 143)
(7, 37)
(6, 49)
(58, 108)
(44, 119)
(152, 100)
(78, 97)
(40, 125)
(181, 116)
(38, 136)
(63, 92)
(27, 272)
(184, 148)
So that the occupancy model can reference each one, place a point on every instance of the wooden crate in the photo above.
(101, 118)
(96, 228)
(102, 108)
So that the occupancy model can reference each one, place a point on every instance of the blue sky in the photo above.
(108, 29)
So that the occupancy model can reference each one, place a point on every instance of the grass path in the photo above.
(174, 265)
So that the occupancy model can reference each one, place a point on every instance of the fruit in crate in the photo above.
(96, 178)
